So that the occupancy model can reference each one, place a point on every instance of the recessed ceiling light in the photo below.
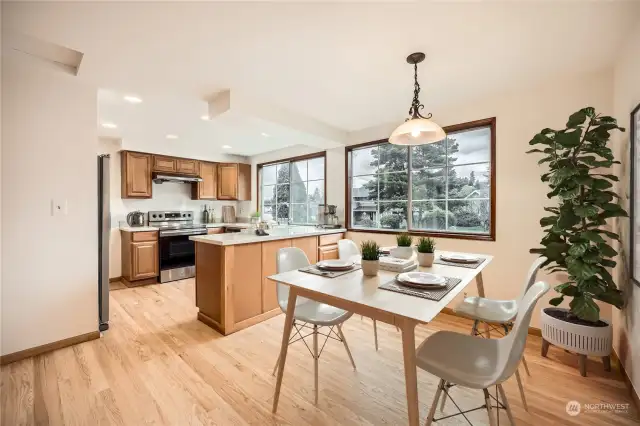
(132, 99)
(266, 135)
(226, 146)
(205, 117)
(170, 136)
(108, 125)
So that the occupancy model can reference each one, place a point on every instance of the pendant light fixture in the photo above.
(417, 129)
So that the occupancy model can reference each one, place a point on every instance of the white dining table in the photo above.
(359, 294)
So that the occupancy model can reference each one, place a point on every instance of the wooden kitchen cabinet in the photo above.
(269, 267)
(234, 181)
(164, 164)
(309, 245)
(140, 261)
(212, 231)
(246, 273)
(187, 167)
(208, 188)
(328, 246)
(136, 174)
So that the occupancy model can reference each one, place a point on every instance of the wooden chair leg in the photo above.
(606, 361)
(474, 328)
(526, 367)
(522, 395)
(545, 348)
(582, 363)
(487, 401)
(315, 360)
(432, 411)
(444, 396)
(375, 333)
(503, 396)
(275, 367)
(346, 346)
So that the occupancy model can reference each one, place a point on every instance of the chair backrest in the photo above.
(289, 259)
(511, 347)
(531, 275)
(347, 249)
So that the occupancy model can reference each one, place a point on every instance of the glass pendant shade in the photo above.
(417, 131)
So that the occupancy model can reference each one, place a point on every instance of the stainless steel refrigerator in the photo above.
(104, 232)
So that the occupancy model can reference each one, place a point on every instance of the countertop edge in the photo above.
(218, 240)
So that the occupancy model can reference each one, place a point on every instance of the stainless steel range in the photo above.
(177, 253)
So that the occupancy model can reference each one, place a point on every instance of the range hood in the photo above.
(162, 177)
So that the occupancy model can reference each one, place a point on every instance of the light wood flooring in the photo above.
(159, 365)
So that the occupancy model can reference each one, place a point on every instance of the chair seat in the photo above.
(457, 358)
(320, 313)
(479, 308)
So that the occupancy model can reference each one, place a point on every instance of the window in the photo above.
(445, 188)
(291, 189)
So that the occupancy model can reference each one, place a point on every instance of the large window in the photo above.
(290, 190)
(445, 188)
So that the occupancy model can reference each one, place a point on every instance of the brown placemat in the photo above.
(470, 265)
(313, 269)
(430, 294)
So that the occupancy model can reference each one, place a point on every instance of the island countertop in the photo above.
(274, 234)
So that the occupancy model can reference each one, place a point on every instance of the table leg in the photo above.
(286, 333)
(480, 285)
(410, 370)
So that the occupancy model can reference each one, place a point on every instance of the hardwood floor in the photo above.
(158, 365)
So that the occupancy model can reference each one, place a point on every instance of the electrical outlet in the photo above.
(58, 207)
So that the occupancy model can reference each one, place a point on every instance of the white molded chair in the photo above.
(479, 363)
(309, 312)
(500, 312)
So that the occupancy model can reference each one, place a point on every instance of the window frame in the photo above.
(491, 236)
(321, 154)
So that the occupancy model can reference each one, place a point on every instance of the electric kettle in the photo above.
(135, 218)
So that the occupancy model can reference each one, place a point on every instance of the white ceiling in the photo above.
(340, 65)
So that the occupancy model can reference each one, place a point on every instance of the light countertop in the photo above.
(208, 225)
(138, 228)
(232, 225)
(274, 234)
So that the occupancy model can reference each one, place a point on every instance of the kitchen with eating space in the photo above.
(320, 213)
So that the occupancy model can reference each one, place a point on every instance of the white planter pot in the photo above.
(402, 252)
(582, 339)
(425, 259)
(370, 268)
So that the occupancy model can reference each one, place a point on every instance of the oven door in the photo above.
(177, 257)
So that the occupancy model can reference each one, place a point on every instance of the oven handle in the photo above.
(178, 232)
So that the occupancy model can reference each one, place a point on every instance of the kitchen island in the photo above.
(232, 291)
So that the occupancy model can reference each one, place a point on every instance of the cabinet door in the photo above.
(208, 188)
(269, 253)
(144, 260)
(187, 167)
(246, 276)
(328, 252)
(164, 164)
(227, 181)
(309, 245)
(211, 231)
(136, 175)
(244, 182)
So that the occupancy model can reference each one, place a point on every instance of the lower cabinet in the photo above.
(328, 252)
(269, 267)
(309, 245)
(139, 256)
(247, 281)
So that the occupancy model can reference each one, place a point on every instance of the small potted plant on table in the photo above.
(404, 249)
(370, 258)
(426, 248)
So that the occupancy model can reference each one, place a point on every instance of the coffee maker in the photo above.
(327, 216)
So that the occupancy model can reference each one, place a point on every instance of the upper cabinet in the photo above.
(136, 175)
(224, 181)
(208, 188)
(234, 181)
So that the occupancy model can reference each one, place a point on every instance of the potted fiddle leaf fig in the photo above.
(576, 241)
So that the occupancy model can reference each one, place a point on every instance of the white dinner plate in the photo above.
(461, 258)
(423, 279)
(335, 264)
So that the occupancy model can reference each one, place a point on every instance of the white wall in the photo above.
(520, 194)
(626, 95)
(50, 275)
(166, 196)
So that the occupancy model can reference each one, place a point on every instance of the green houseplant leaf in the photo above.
(575, 241)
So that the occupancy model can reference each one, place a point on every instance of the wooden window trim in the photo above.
(321, 154)
(490, 122)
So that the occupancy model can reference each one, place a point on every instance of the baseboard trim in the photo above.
(615, 360)
(116, 279)
(534, 331)
(38, 350)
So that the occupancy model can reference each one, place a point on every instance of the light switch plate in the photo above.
(58, 207)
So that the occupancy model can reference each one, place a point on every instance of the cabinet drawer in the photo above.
(326, 240)
(328, 252)
(145, 236)
(215, 231)
(189, 167)
(164, 164)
